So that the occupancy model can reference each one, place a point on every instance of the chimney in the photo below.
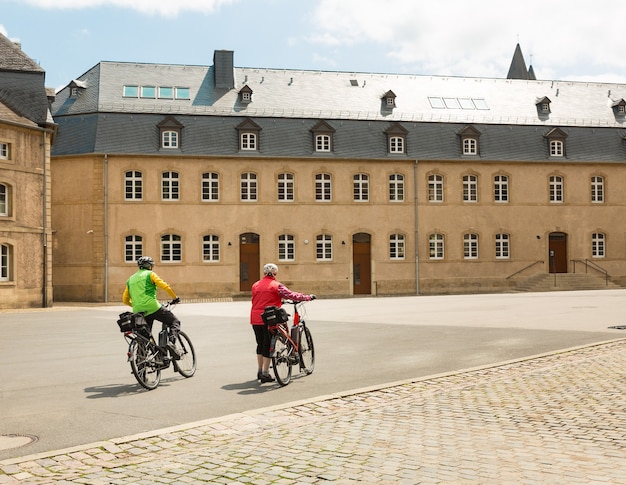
(224, 69)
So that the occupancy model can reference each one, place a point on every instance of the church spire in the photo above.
(518, 66)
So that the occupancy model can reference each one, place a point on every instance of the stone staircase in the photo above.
(565, 282)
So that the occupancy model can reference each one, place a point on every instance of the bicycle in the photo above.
(148, 358)
(293, 346)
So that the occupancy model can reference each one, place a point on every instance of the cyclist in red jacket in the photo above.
(268, 292)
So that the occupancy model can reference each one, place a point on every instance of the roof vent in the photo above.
(354, 82)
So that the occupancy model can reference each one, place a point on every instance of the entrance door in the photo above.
(558, 252)
(362, 264)
(249, 260)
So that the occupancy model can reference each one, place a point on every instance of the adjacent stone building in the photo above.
(26, 134)
(353, 183)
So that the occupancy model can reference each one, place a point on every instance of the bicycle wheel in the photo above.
(280, 361)
(306, 350)
(143, 364)
(186, 364)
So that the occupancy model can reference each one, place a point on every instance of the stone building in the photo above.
(353, 183)
(26, 134)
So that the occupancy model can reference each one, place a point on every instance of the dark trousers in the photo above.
(164, 316)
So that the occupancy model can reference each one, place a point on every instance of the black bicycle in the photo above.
(291, 347)
(147, 357)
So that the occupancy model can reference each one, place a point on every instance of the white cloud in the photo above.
(166, 8)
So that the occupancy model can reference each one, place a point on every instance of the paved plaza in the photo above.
(557, 418)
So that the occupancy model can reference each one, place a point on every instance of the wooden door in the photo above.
(249, 261)
(361, 264)
(558, 252)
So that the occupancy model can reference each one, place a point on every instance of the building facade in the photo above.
(354, 184)
(26, 135)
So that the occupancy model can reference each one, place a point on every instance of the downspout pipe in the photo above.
(415, 210)
(106, 228)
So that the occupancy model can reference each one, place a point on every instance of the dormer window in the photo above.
(389, 100)
(248, 135)
(323, 137)
(396, 139)
(619, 108)
(543, 106)
(556, 142)
(77, 88)
(469, 137)
(245, 95)
(170, 133)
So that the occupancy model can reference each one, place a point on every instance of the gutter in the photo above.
(417, 281)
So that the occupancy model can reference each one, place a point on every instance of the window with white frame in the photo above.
(435, 188)
(556, 188)
(171, 248)
(436, 246)
(501, 188)
(286, 247)
(169, 139)
(470, 188)
(170, 186)
(210, 187)
(133, 185)
(248, 187)
(248, 141)
(503, 248)
(597, 189)
(361, 187)
(4, 200)
(133, 248)
(286, 186)
(5, 152)
(324, 247)
(557, 148)
(470, 246)
(211, 248)
(6, 262)
(396, 144)
(396, 246)
(470, 146)
(322, 143)
(598, 245)
(323, 187)
(396, 187)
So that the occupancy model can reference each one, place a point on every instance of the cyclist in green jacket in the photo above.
(140, 293)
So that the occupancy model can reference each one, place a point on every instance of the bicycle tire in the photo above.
(280, 361)
(186, 364)
(143, 364)
(306, 350)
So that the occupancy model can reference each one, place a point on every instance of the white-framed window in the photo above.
(396, 246)
(166, 92)
(361, 187)
(323, 187)
(435, 188)
(248, 141)
(598, 245)
(133, 185)
(182, 92)
(133, 248)
(6, 262)
(248, 187)
(556, 188)
(130, 91)
(436, 246)
(557, 148)
(4, 200)
(210, 187)
(501, 188)
(322, 143)
(396, 144)
(503, 246)
(171, 248)
(169, 139)
(148, 92)
(286, 247)
(396, 187)
(286, 187)
(5, 151)
(470, 188)
(170, 186)
(597, 189)
(324, 247)
(211, 248)
(470, 246)
(470, 146)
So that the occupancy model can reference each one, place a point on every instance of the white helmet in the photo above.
(270, 268)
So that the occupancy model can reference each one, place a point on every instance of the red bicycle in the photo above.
(292, 346)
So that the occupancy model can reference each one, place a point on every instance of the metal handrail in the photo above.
(593, 265)
(524, 269)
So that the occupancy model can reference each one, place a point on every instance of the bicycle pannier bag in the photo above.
(125, 321)
(273, 316)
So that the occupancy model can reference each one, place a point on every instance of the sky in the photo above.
(564, 40)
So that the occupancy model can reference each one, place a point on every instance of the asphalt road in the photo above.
(65, 381)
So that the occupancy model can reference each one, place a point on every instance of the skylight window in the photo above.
(452, 103)
(437, 102)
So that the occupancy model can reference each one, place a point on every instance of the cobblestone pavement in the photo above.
(558, 418)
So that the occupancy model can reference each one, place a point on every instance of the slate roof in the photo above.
(287, 103)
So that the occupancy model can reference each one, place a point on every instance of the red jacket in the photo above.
(264, 293)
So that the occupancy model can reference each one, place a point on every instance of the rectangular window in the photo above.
(501, 188)
(322, 143)
(396, 144)
(210, 187)
(470, 188)
(597, 245)
(5, 262)
(133, 248)
(286, 248)
(4, 151)
(323, 187)
(556, 188)
(470, 246)
(396, 187)
(502, 246)
(248, 187)
(4, 200)
(324, 247)
(148, 91)
(470, 146)
(171, 248)
(211, 248)
(182, 93)
(131, 92)
(396, 246)
(169, 139)
(435, 188)
(248, 141)
(361, 186)
(166, 92)
(556, 148)
(133, 185)
(597, 190)
(436, 246)
(286, 187)
(170, 184)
